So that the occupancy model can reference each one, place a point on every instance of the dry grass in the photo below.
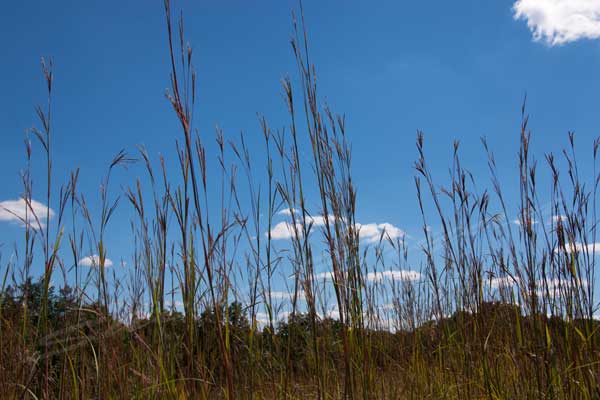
(504, 310)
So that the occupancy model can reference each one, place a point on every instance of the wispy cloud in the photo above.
(20, 212)
(394, 275)
(556, 22)
(94, 261)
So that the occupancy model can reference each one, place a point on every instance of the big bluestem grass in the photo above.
(491, 306)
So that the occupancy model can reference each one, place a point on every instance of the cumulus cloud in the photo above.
(332, 313)
(324, 276)
(21, 212)
(557, 22)
(555, 287)
(559, 218)
(262, 319)
(552, 284)
(287, 295)
(565, 283)
(94, 261)
(285, 230)
(371, 233)
(317, 220)
(503, 282)
(288, 211)
(580, 248)
(394, 275)
(517, 221)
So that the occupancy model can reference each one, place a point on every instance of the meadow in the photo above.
(497, 308)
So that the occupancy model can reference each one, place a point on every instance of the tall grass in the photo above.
(496, 309)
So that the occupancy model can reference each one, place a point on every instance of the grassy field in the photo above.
(497, 309)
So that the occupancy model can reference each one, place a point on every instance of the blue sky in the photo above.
(457, 71)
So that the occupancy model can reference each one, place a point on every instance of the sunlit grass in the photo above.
(497, 309)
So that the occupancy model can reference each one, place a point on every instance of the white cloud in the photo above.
(283, 315)
(557, 286)
(287, 295)
(557, 22)
(141, 314)
(317, 220)
(372, 232)
(394, 275)
(20, 212)
(503, 282)
(391, 231)
(285, 230)
(94, 261)
(553, 285)
(517, 221)
(368, 232)
(288, 211)
(580, 248)
(177, 304)
(262, 319)
(332, 313)
(324, 276)
(564, 283)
